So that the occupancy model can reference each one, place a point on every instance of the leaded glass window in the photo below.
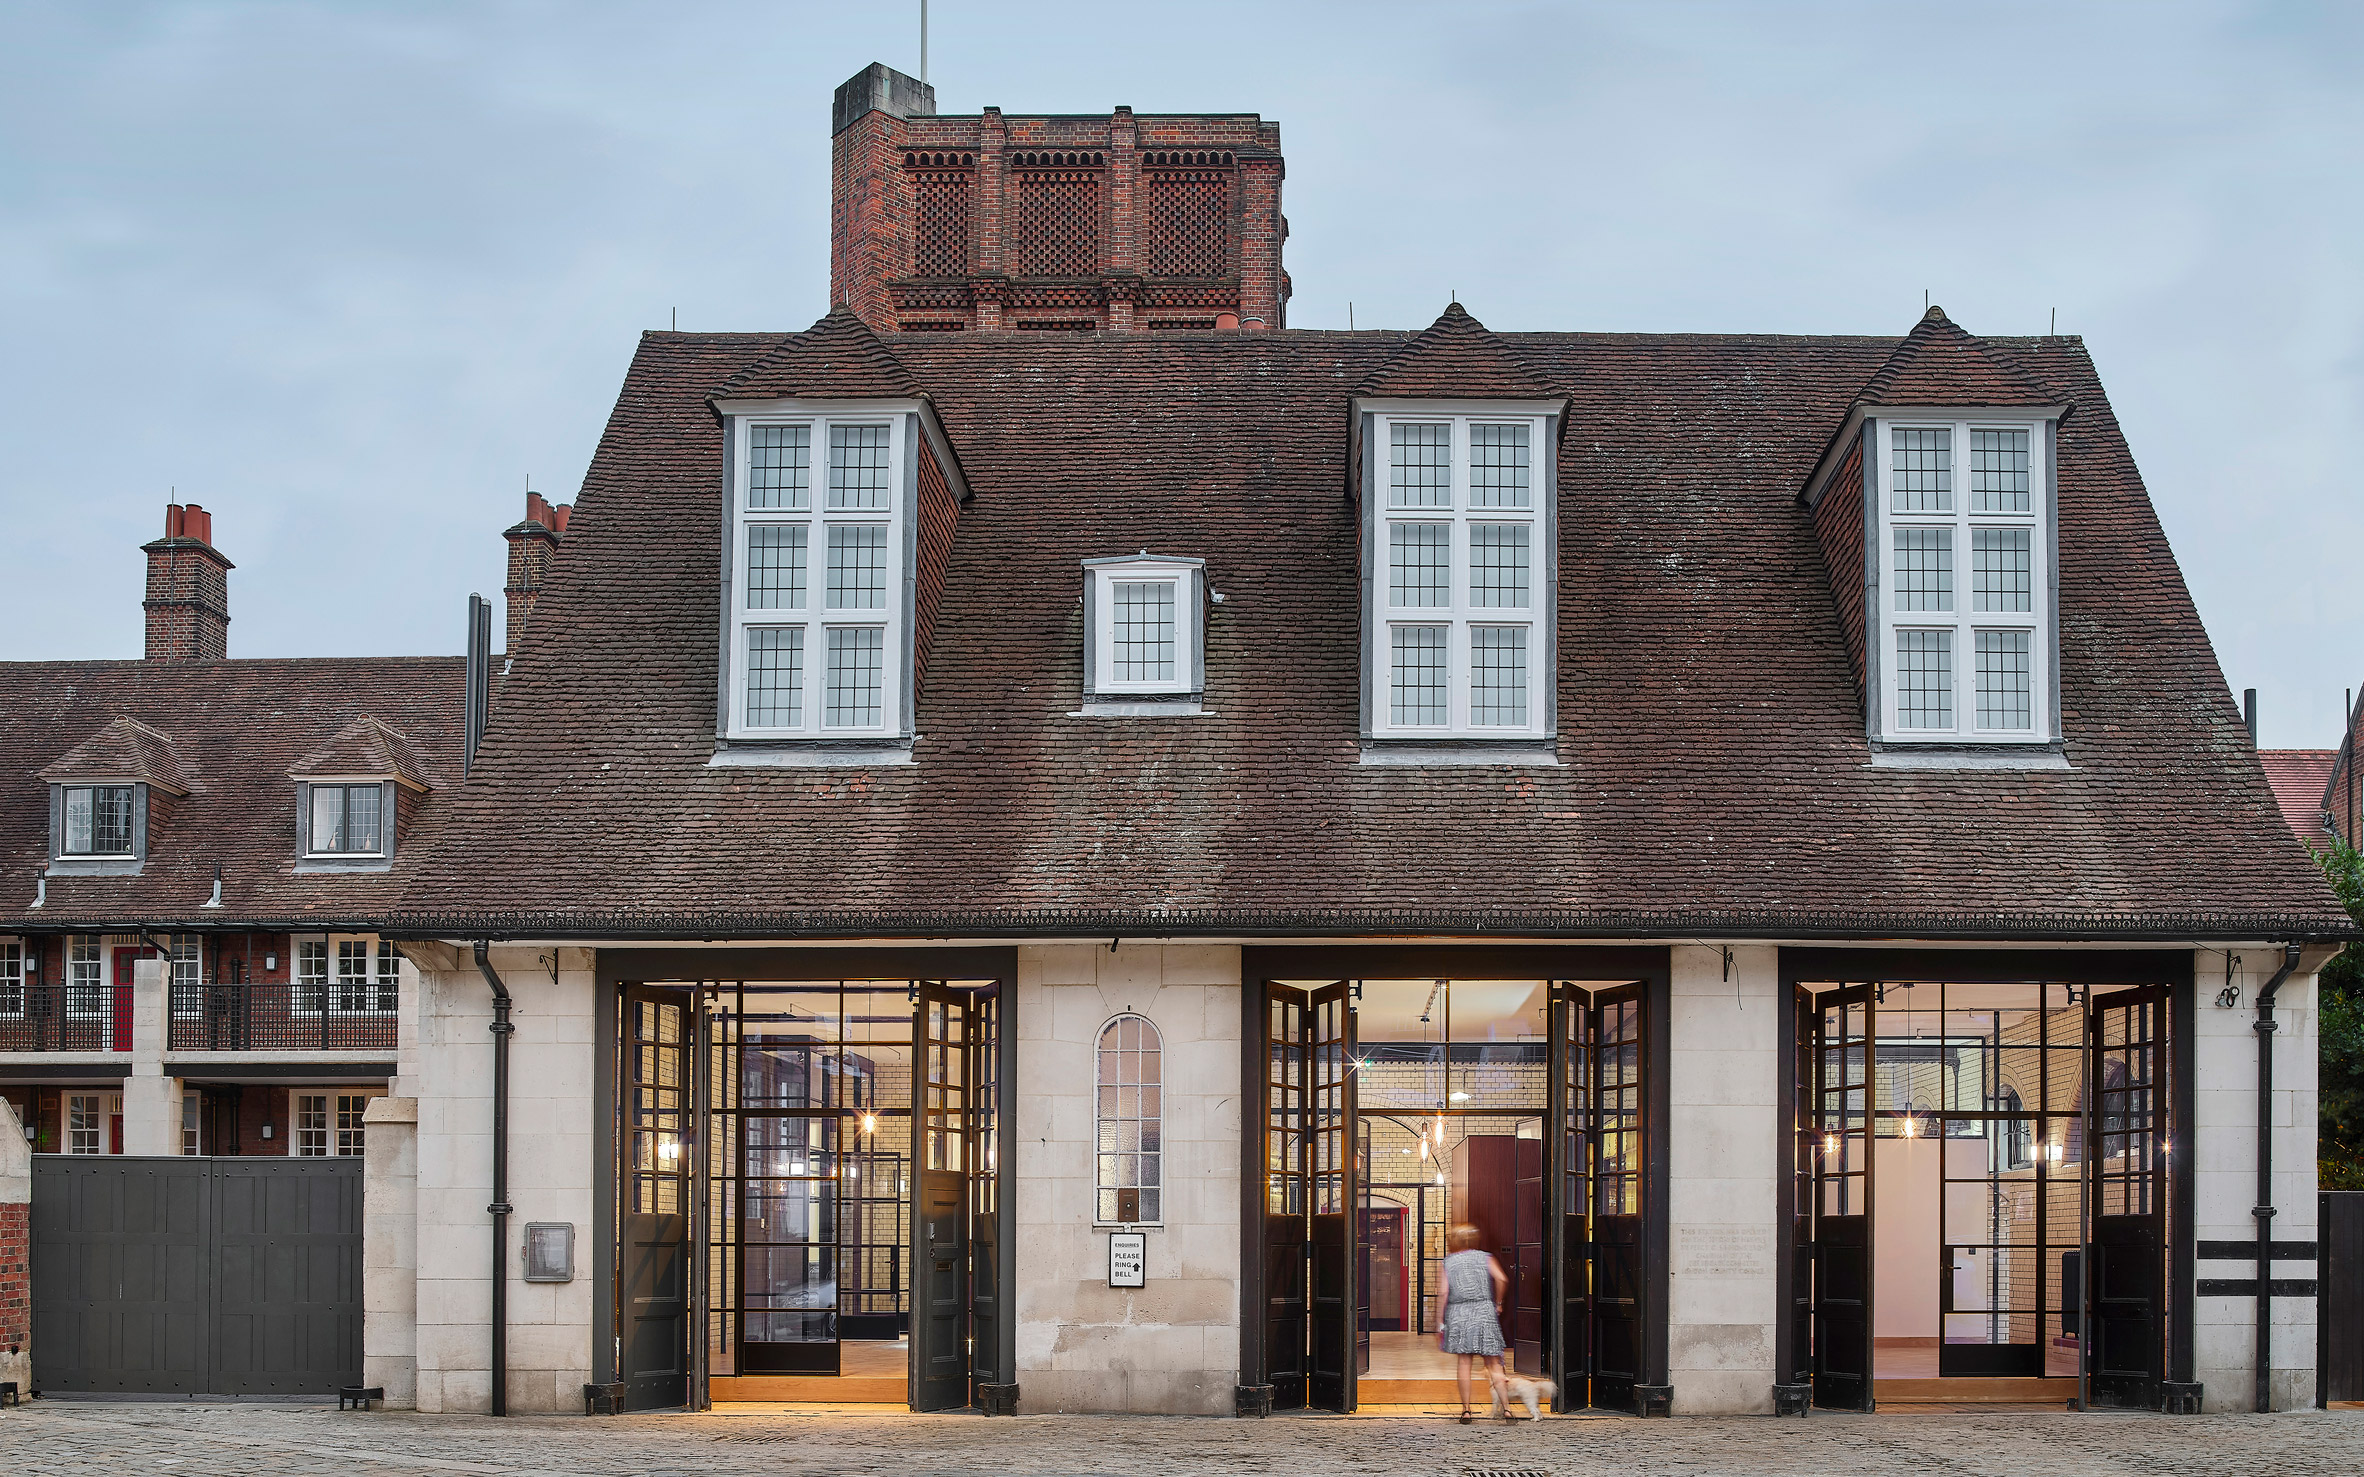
(1130, 1122)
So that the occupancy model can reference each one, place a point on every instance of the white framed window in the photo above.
(820, 596)
(94, 1122)
(348, 818)
(368, 977)
(1965, 562)
(188, 976)
(1460, 545)
(311, 975)
(328, 1124)
(86, 979)
(1130, 1117)
(14, 979)
(98, 820)
(192, 1107)
(1144, 626)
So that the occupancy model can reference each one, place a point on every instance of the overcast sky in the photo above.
(348, 274)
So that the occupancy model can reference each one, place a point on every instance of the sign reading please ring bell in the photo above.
(1128, 1258)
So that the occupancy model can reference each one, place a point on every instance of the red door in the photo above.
(120, 1011)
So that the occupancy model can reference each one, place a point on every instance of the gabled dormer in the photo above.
(842, 492)
(1937, 509)
(354, 796)
(105, 796)
(1457, 471)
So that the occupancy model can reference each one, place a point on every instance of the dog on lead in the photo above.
(1536, 1395)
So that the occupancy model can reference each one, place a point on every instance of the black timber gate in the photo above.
(196, 1276)
(2339, 1307)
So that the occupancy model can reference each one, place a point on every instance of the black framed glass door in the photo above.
(653, 1262)
(1843, 1054)
(2125, 1127)
(1333, 1343)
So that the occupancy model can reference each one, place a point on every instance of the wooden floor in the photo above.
(1409, 1369)
(870, 1372)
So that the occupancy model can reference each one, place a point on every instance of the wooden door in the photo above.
(1619, 1183)
(1331, 1140)
(1571, 1108)
(1286, 1195)
(939, 1214)
(2125, 1146)
(652, 1264)
(1843, 1200)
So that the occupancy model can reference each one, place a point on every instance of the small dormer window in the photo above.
(1965, 579)
(1459, 572)
(348, 819)
(1144, 630)
(820, 594)
(99, 820)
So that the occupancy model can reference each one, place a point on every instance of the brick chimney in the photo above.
(188, 602)
(532, 545)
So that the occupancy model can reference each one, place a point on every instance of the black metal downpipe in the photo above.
(500, 1207)
(2264, 1210)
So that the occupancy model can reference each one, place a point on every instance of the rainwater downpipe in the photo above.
(500, 1207)
(2264, 1210)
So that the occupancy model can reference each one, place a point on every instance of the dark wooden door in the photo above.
(652, 1265)
(987, 1351)
(119, 1002)
(1797, 1352)
(1529, 1282)
(940, 1209)
(1620, 1269)
(2125, 1139)
(1843, 1036)
(1331, 1140)
(1571, 1108)
(2339, 1310)
(1286, 1195)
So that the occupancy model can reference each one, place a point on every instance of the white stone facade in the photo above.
(1174, 1345)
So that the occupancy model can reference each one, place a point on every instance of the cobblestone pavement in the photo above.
(157, 1440)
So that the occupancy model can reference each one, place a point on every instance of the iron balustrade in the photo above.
(64, 1018)
(339, 1015)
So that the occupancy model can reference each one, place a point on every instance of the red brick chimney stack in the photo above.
(188, 602)
(532, 545)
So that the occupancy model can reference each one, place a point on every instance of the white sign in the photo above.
(1128, 1258)
(1723, 1251)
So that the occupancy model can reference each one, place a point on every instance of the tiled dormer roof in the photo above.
(1940, 364)
(1456, 357)
(2300, 778)
(125, 749)
(365, 749)
(838, 358)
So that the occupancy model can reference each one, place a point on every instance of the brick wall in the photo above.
(1114, 223)
(188, 595)
(16, 1282)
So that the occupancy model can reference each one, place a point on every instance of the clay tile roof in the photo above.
(1940, 364)
(365, 749)
(2300, 777)
(1460, 357)
(838, 358)
(125, 749)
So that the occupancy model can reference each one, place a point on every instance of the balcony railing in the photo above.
(337, 1016)
(64, 1018)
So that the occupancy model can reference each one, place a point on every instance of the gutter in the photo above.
(2264, 1209)
(500, 1207)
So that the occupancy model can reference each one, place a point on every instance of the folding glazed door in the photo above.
(1843, 1047)
(1310, 1320)
(1599, 1058)
(2125, 1135)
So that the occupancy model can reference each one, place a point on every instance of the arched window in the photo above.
(1131, 1122)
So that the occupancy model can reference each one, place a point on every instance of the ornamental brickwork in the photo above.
(1055, 224)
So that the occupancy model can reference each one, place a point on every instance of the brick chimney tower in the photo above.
(188, 602)
(533, 543)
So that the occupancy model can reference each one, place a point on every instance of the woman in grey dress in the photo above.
(1471, 1327)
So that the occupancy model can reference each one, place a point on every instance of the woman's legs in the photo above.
(1461, 1377)
(1500, 1383)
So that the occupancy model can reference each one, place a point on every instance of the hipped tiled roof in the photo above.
(1459, 357)
(237, 728)
(1714, 779)
(126, 749)
(365, 749)
(838, 358)
(1940, 364)
(2300, 778)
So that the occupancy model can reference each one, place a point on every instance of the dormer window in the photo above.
(99, 820)
(1144, 633)
(348, 820)
(1965, 579)
(820, 591)
(1459, 573)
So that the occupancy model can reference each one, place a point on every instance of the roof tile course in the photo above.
(1713, 767)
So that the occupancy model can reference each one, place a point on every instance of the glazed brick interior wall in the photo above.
(1838, 526)
(938, 513)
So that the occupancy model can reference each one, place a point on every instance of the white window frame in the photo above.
(312, 1139)
(1188, 577)
(307, 993)
(313, 851)
(373, 989)
(1964, 622)
(15, 980)
(185, 977)
(103, 1111)
(1107, 1175)
(192, 1122)
(89, 997)
(1382, 618)
(815, 619)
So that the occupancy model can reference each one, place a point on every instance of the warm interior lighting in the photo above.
(1457, 1097)
(1912, 1128)
(1830, 1143)
(1424, 1146)
(2055, 1153)
(869, 1123)
(668, 1150)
